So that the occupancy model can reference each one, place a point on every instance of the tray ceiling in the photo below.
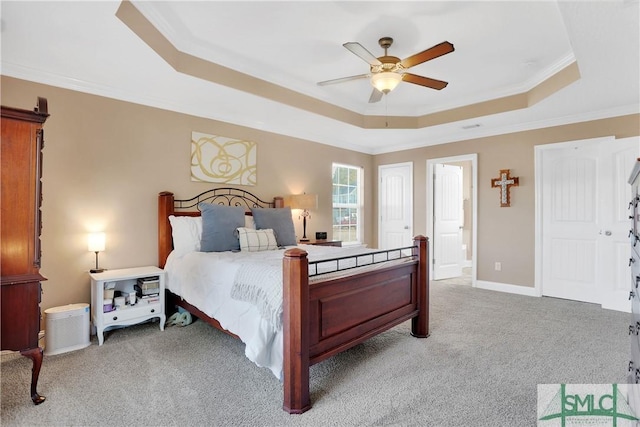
(516, 65)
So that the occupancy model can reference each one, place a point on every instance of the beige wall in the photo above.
(105, 161)
(504, 234)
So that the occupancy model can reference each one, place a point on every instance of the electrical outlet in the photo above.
(498, 266)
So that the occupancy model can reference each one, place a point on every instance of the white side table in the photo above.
(125, 281)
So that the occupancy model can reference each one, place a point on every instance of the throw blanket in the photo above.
(260, 282)
(261, 285)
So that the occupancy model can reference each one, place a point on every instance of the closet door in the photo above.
(584, 220)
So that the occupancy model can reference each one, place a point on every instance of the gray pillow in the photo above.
(219, 224)
(279, 220)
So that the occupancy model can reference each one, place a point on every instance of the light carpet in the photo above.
(480, 367)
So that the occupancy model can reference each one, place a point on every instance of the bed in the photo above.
(325, 310)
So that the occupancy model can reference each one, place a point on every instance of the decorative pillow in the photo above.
(219, 224)
(279, 220)
(249, 222)
(186, 232)
(252, 240)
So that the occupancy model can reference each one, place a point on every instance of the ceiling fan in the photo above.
(386, 72)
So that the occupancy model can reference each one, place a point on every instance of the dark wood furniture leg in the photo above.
(295, 322)
(35, 354)
(420, 323)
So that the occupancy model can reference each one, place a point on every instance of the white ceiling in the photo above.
(501, 48)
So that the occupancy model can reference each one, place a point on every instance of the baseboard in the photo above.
(616, 304)
(505, 287)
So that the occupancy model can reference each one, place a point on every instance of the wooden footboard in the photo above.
(328, 317)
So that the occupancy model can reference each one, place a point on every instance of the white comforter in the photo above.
(206, 280)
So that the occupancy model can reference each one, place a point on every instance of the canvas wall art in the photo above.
(224, 160)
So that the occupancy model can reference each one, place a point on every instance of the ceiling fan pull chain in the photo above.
(386, 111)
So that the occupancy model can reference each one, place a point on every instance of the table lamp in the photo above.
(304, 202)
(96, 244)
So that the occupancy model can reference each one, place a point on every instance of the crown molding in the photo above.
(521, 127)
(52, 79)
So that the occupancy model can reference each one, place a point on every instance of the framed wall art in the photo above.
(221, 159)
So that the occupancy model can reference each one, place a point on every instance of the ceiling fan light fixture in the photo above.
(386, 81)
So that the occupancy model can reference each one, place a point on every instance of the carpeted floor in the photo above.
(480, 367)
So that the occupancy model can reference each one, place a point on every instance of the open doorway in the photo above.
(452, 218)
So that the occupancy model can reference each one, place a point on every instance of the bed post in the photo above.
(295, 323)
(420, 324)
(165, 208)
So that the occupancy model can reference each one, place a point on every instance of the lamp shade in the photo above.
(386, 82)
(96, 242)
(302, 201)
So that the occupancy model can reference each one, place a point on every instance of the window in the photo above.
(347, 203)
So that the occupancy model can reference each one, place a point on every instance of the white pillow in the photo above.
(186, 232)
(249, 222)
(256, 240)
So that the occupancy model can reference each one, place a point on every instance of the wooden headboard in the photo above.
(169, 205)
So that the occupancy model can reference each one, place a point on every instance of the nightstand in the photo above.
(323, 243)
(148, 285)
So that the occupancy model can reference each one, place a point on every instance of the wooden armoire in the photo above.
(22, 143)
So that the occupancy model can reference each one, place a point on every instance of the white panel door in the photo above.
(570, 222)
(395, 206)
(584, 196)
(618, 160)
(447, 222)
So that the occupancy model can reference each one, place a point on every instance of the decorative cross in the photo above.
(505, 182)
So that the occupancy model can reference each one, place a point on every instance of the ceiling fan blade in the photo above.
(427, 55)
(424, 81)
(376, 96)
(359, 50)
(343, 79)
